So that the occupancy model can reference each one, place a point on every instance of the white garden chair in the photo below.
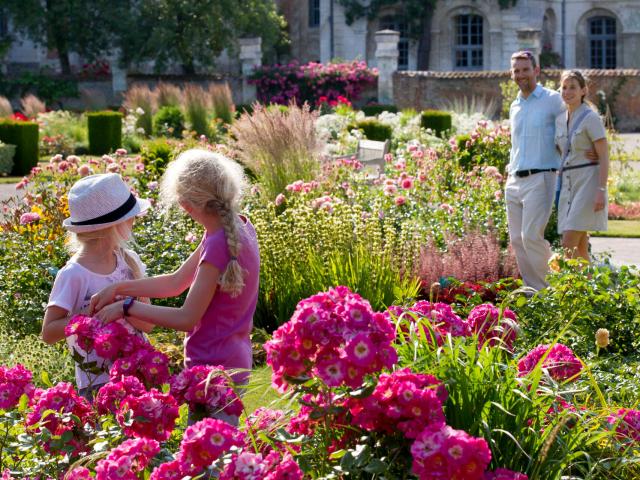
(371, 154)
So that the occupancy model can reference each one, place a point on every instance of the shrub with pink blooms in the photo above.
(208, 388)
(313, 82)
(127, 459)
(204, 442)
(559, 361)
(254, 466)
(111, 394)
(402, 400)
(64, 414)
(334, 336)
(441, 452)
(492, 326)
(504, 474)
(441, 318)
(151, 415)
(14, 382)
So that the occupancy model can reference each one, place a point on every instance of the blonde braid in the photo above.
(232, 279)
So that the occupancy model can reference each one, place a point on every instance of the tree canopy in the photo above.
(191, 33)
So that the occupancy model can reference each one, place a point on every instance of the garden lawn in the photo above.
(621, 229)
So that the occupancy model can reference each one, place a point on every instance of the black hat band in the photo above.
(112, 216)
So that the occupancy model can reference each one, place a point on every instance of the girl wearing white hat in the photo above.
(222, 274)
(102, 213)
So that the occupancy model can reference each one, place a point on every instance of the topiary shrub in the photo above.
(105, 132)
(24, 135)
(437, 121)
(373, 110)
(373, 129)
(169, 121)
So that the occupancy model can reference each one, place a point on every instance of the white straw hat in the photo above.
(100, 201)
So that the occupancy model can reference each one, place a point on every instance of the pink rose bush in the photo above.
(60, 409)
(334, 336)
(560, 362)
(504, 474)
(206, 386)
(14, 382)
(127, 459)
(129, 353)
(441, 317)
(111, 394)
(154, 414)
(255, 466)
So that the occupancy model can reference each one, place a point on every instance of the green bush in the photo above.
(373, 110)
(6, 158)
(156, 154)
(105, 132)
(168, 121)
(24, 135)
(436, 120)
(374, 130)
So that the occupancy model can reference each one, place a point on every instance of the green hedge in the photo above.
(436, 120)
(24, 135)
(373, 110)
(374, 130)
(105, 132)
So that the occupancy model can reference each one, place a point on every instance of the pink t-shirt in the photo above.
(222, 336)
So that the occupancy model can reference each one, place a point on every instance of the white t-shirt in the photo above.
(72, 290)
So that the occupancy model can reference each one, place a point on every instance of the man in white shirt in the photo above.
(534, 160)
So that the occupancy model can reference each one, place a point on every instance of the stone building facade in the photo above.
(477, 34)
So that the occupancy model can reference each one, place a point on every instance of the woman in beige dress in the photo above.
(582, 206)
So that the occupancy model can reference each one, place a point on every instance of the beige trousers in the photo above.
(529, 202)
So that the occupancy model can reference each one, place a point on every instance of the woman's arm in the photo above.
(55, 319)
(602, 149)
(160, 286)
(183, 318)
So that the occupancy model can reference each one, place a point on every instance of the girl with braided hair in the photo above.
(221, 274)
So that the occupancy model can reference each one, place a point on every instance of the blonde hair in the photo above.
(115, 235)
(212, 183)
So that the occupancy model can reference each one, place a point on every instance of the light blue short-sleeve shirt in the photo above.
(533, 130)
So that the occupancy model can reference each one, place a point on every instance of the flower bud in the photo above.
(602, 338)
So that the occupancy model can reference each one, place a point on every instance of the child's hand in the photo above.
(111, 312)
(102, 298)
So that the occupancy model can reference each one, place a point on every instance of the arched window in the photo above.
(469, 39)
(393, 23)
(602, 42)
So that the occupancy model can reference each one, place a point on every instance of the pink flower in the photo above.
(168, 471)
(400, 200)
(155, 415)
(121, 152)
(139, 167)
(14, 382)
(627, 424)
(84, 170)
(29, 217)
(205, 441)
(191, 237)
(504, 474)
(280, 199)
(78, 473)
(127, 459)
(560, 362)
(152, 186)
(407, 183)
(112, 393)
(206, 385)
(113, 168)
(493, 327)
(439, 451)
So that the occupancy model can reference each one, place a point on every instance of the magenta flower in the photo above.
(14, 382)
(208, 386)
(560, 362)
(253, 466)
(491, 327)
(114, 392)
(439, 451)
(127, 459)
(204, 442)
(627, 424)
(155, 415)
(504, 474)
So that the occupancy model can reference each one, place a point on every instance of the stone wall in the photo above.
(421, 90)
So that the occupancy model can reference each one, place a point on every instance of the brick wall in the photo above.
(421, 90)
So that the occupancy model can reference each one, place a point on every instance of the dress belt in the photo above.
(581, 165)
